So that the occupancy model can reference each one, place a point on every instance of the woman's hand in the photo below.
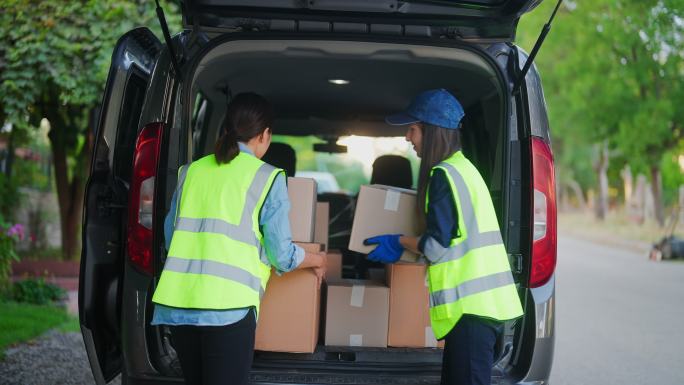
(389, 248)
(320, 274)
(316, 261)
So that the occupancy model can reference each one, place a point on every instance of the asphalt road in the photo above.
(620, 317)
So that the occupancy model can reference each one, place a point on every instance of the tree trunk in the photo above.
(564, 196)
(628, 182)
(657, 187)
(59, 159)
(577, 189)
(70, 190)
(639, 206)
(681, 205)
(602, 169)
(9, 159)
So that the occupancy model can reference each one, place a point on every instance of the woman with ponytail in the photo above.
(469, 277)
(227, 228)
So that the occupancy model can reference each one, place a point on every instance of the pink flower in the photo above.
(16, 230)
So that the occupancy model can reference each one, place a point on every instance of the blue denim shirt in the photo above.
(282, 254)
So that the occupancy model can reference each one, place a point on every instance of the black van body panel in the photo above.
(106, 196)
(482, 20)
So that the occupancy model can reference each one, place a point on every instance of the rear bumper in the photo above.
(544, 298)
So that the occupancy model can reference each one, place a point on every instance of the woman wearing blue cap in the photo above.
(470, 281)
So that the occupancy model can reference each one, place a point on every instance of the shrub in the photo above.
(37, 291)
(8, 237)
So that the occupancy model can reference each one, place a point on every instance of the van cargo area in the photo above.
(334, 89)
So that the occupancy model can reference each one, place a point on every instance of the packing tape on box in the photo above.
(356, 340)
(430, 340)
(357, 296)
(392, 200)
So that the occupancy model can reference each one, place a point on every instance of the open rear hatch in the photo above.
(313, 106)
(478, 20)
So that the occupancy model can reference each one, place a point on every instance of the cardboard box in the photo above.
(302, 193)
(333, 269)
(409, 317)
(321, 225)
(310, 247)
(356, 314)
(384, 210)
(290, 313)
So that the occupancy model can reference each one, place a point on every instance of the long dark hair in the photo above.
(247, 116)
(437, 145)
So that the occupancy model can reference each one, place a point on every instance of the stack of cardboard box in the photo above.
(390, 309)
(290, 309)
(389, 210)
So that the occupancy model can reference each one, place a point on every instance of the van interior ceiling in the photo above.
(298, 78)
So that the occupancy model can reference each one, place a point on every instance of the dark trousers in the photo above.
(212, 355)
(469, 351)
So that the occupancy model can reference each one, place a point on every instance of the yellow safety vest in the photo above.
(217, 259)
(473, 275)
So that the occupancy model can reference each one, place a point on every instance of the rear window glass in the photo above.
(346, 172)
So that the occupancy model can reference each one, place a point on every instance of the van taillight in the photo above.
(141, 197)
(544, 216)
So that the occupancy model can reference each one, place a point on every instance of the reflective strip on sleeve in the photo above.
(474, 286)
(217, 269)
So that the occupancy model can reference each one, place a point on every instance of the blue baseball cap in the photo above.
(436, 107)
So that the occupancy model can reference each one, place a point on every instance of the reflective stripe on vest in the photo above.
(217, 269)
(474, 286)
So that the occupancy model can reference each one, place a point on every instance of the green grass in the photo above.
(21, 322)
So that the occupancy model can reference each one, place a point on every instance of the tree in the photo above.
(613, 73)
(54, 58)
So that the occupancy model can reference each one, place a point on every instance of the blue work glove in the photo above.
(389, 249)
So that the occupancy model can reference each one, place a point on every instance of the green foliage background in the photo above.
(612, 71)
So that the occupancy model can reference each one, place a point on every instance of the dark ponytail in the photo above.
(247, 116)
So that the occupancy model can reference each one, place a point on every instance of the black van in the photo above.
(332, 68)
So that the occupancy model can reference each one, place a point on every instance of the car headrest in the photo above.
(283, 156)
(392, 170)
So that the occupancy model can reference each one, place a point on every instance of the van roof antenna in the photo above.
(167, 38)
(533, 54)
